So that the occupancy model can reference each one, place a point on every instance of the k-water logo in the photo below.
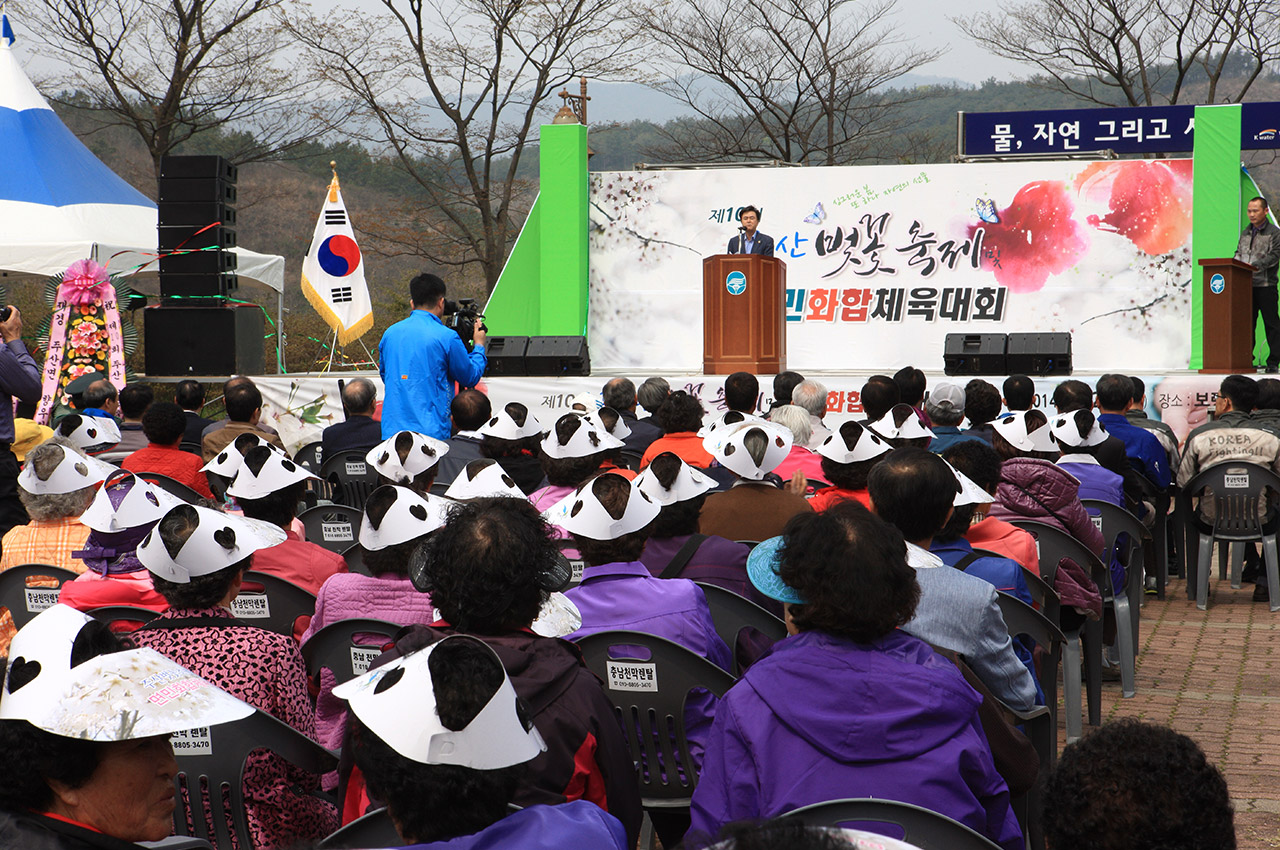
(736, 283)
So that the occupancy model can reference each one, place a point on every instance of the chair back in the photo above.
(123, 614)
(374, 829)
(926, 829)
(339, 648)
(192, 447)
(648, 679)
(1041, 591)
(629, 459)
(310, 457)
(169, 485)
(351, 476)
(1021, 619)
(213, 758)
(355, 560)
(25, 595)
(335, 527)
(569, 548)
(732, 613)
(1239, 497)
(1054, 544)
(271, 602)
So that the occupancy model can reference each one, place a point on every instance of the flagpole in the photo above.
(333, 346)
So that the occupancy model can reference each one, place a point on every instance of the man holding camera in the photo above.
(419, 360)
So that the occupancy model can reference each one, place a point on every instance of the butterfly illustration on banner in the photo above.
(986, 210)
(818, 215)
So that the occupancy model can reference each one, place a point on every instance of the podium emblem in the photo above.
(736, 283)
(1217, 283)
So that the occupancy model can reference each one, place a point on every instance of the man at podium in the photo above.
(749, 240)
(1260, 247)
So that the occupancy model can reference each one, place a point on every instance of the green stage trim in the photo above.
(1215, 193)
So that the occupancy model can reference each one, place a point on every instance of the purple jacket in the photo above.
(822, 718)
(718, 561)
(575, 824)
(1096, 481)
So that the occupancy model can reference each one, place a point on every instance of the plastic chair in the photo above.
(374, 829)
(1239, 494)
(629, 459)
(731, 613)
(213, 758)
(123, 614)
(192, 447)
(336, 649)
(169, 485)
(1023, 620)
(355, 560)
(23, 600)
(1084, 642)
(1041, 591)
(569, 548)
(272, 602)
(926, 829)
(310, 457)
(631, 664)
(1114, 521)
(335, 527)
(351, 477)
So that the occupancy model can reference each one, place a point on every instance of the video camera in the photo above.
(462, 316)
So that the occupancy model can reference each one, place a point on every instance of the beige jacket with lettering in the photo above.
(1232, 437)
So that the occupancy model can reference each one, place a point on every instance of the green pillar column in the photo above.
(1215, 193)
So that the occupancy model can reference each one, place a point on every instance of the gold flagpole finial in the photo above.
(333, 186)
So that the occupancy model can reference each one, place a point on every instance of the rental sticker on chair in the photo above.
(339, 531)
(192, 742)
(251, 606)
(361, 658)
(1238, 481)
(40, 598)
(356, 468)
(633, 676)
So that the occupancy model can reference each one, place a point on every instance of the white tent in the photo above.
(59, 203)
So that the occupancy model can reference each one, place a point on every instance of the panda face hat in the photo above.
(513, 421)
(1066, 429)
(620, 430)
(74, 471)
(227, 462)
(116, 696)
(264, 471)
(1014, 430)
(394, 515)
(584, 438)
(970, 493)
(125, 501)
(84, 431)
(901, 423)
(727, 419)
(406, 455)
(397, 702)
(728, 445)
(483, 478)
(689, 483)
(583, 514)
(216, 542)
(853, 443)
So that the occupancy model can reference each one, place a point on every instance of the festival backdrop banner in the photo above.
(333, 271)
(883, 262)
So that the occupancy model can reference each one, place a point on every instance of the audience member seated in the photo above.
(268, 487)
(77, 775)
(359, 431)
(489, 572)
(396, 520)
(164, 424)
(754, 508)
(1070, 396)
(1019, 393)
(1146, 455)
(244, 410)
(651, 394)
(911, 390)
(93, 435)
(1078, 436)
(811, 396)
(981, 407)
(945, 408)
(608, 421)
(978, 462)
(408, 459)
(449, 778)
(878, 394)
(100, 399)
(121, 516)
(1131, 785)
(915, 491)
(483, 479)
(1137, 415)
(620, 394)
(469, 410)
(75, 391)
(511, 437)
(848, 457)
(134, 400)
(681, 418)
(224, 467)
(189, 395)
(801, 458)
(56, 485)
(742, 392)
(901, 427)
(784, 384)
(197, 558)
(572, 452)
(850, 705)
(228, 384)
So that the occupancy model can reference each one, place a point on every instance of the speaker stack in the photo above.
(1007, 354)
(195, 331)
(517, 356)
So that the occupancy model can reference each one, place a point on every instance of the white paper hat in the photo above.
(584, 403)
(587, 439)
(483, 478)
(84, 431)
(118, 696)
(689, 483)
(74, 471)
(217, 541)
(728, 418)
(512, 421)
(558, 617)
(620, 430)
(143, 503)
(853, 443)
(397, 702)
(970, 493)
(421, 453)
(408, 516)
(1014, 430)
(728, 446)
(901, 423)
(265, 471)
(581, 512)
(1067, 433)
(227, 462)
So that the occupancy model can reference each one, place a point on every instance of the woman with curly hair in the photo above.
(680, 417)
(848, 705)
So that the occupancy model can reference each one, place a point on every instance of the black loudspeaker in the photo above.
(192, 238)
(1039, 354)
(210, 341)
(557, 355)
(198, 262)
(198, 168)
(175, 191)
(195, 213)
(974, 354)
(199, 285)
(506, 356)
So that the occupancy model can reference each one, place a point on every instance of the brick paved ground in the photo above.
(1214, 675)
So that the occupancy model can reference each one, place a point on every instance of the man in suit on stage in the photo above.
(749, 240)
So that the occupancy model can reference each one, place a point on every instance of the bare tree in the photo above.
(456, 88)
(1137, 52)
(172, 70)
(797, 80)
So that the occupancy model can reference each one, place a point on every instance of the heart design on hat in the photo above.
(81, 468)
(288, 465)
(22, 672)
(418, 512)
(225, 537)
(389, 681)
(92, 432)
(507, 479)
(151, 497)
(730, 449)
(577, 508)
(222, 458)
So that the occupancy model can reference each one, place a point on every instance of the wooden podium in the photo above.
(1226, 299)
(744, 325)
